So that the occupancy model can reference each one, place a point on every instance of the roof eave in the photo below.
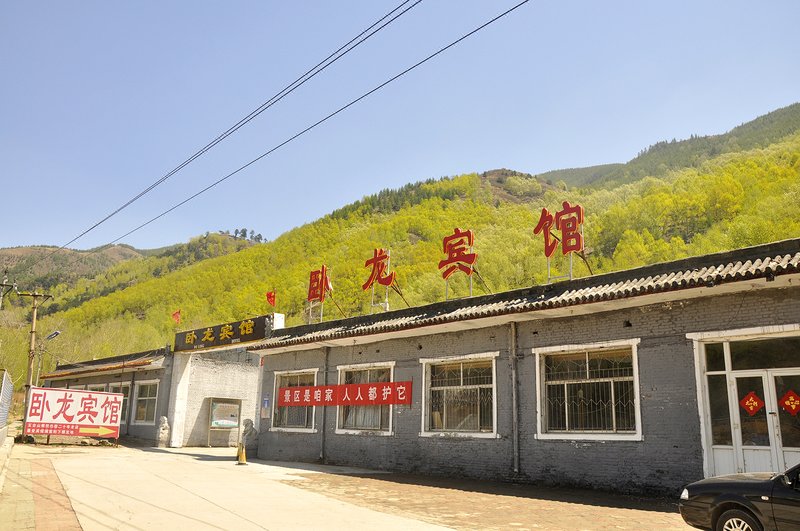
(529, 311)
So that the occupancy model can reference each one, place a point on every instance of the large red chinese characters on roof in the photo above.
(568, 221)
(379, 263)
(318, 285)
(458, 248)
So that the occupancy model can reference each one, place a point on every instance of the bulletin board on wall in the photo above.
(224, 414)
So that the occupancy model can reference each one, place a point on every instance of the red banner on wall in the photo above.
(368, 394)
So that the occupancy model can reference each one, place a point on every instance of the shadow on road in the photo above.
(396, 481)
(530, 491)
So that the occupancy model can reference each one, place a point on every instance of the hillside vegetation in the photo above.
(45, 266)
(663, 157)
(726, 201)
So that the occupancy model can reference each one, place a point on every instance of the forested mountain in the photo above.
(106, 269)
(663, 157)
(726, 201)
(46, 266)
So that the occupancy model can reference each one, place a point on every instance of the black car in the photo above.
(744, 502)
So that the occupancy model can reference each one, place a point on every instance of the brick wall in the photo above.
(222, 374)
(668, 455)
(147, 431)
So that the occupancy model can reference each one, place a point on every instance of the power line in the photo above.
(323, 120)
(343, 50)
(319, 122)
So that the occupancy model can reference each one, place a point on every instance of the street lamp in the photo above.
(52, 335)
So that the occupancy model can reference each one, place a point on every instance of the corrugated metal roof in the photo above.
(761, 262)
(99, 368)
(125, 361)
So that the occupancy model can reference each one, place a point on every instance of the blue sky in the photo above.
(101, 99)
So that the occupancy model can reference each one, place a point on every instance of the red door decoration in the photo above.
(751, 403)
(790, 403)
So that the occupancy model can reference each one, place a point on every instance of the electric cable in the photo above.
(323, 120)
(343, 50)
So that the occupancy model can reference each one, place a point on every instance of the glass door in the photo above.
(756, 432)
(769, 420)
(752, 404)
(786, 416)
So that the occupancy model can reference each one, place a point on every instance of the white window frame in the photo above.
(539, 354)
(95, 388)
(361, 367)
(426, 369)
(138, 385)
(125, 407)
(277, 375)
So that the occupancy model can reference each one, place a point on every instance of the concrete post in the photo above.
(179, 397)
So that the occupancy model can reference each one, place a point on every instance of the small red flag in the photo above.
(271, 297)
(176, 316)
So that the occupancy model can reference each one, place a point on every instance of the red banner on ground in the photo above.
(368, 394)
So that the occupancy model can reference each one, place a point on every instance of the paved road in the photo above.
(77, 487)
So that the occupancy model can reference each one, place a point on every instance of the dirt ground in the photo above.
(468, 505)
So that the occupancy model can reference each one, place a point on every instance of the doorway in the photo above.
(752, 404)
(768, 403)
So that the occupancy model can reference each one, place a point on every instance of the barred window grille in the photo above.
(365, 417)
(461, 397)
(590, 392)
(294, 416)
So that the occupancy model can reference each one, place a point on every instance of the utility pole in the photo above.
(32, 352)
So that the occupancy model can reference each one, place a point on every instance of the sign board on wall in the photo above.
(368, 394)
(251, 329)
(73, 412)
(225, 413)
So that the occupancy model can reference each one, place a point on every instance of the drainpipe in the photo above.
(131, 390)
(514, 394)
(326, 351)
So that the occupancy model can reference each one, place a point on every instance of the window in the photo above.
(125, 389)
(460, 395)
(591, 393)
(720, 412)
(765, 353)
(301, 417)
(146, 398)
(372, 418)
(98, 387)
